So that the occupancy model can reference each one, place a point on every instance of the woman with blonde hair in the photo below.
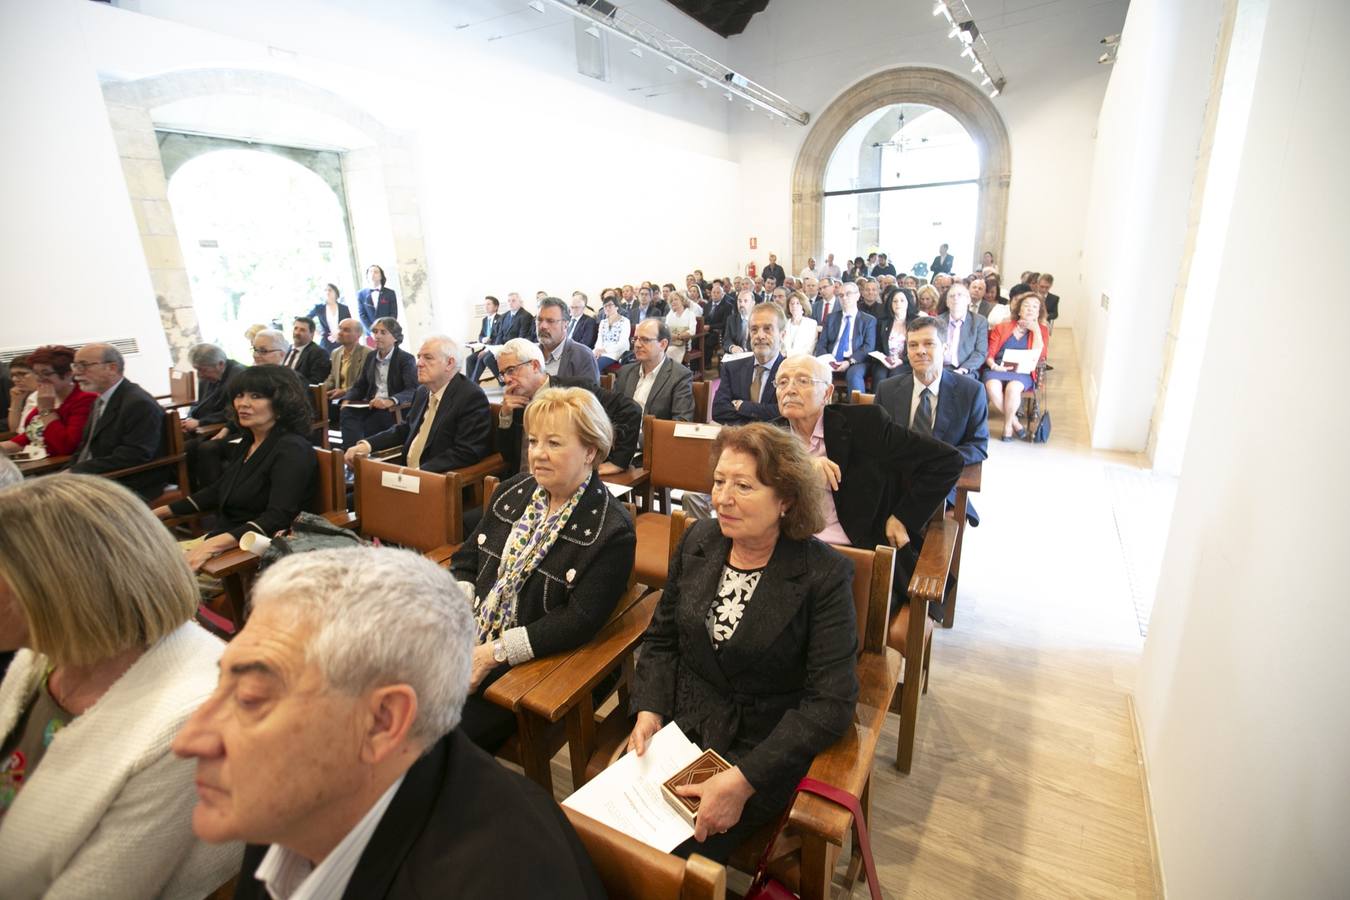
(802, 330)
(550, 557)
(97, 599)
(682, 322)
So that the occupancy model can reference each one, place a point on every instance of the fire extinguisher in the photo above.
(750, 269)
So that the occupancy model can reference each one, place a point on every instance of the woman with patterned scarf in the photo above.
(551, 556)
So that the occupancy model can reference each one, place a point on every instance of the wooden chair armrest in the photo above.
(509, 690)
(231, 562)
(206, 431)
(589, 665)
(488, 465)
(163, 462)
(344, 518)
(635, 478)
(441, 555)
(387, 454)
(929, 582)
(970, 478)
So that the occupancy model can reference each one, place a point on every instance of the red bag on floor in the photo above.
(766, 888)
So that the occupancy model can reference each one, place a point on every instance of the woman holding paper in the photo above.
(271, 473)
(1026, 331)
(802, 330)
(896, 311)
(752, 649)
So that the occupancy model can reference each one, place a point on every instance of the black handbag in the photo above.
(1042, 434)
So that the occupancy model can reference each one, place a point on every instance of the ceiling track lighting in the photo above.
(974, 46)
(537, 6)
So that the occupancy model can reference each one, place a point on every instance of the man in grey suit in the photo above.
(563, 356)
(662, 387)
(965, 333)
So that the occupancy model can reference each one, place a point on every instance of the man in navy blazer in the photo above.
(456, 434)
(957, 406)
(967, 352)
(487, 332)
(850, 358)
(388, 380)
(735, 402)
(580, 327)
(516, 323)
(376, 301)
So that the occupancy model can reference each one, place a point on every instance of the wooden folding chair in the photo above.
(174, 459)
(673, 462)
(318, 401)
(182, 389)
(631, 870)
(701, 389)
(407, 508)
(694, 352)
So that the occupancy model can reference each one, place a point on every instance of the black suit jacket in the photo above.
(941, 265)
(635, 313)
(456, 812)
(459, 433)
(671, 396)
(1051, 306)
(314, 364)
(263, 493)
(402, 378)
(521, 325)
(327, 333)
(783, 687)
(128, 433)
(737, 376)
(774, 271)
(862, 334)
(214, 396)
(736, 329)
(585, 332)
(962, 418)
(624, 415)
(569, 596)
(372, 305)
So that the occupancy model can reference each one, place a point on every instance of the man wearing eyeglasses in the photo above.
(745, 392)
(126, 427)
(563, 356)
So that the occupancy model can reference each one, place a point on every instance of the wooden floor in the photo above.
(1026, 781)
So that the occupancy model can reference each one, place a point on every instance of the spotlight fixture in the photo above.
(974, 46)
(537, 6)
(703, 83)
(593, 32)
(636, 51)
(728, 96)
(672, 69)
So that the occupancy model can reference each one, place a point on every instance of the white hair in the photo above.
(956, 290)
(850, 287)
(9, 473)
(382, 616)
(448, 346)
(523, 350)
(816, 364)
(275, 338)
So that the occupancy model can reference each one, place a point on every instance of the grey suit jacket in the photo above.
(575, 361)
(973, 344)
(671, 397)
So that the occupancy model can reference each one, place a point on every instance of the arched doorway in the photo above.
(958, 98)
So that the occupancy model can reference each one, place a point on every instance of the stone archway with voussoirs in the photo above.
(938, 88)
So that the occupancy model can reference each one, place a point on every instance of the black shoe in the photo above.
(1007, 439)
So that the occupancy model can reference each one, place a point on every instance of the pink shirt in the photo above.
(833, 532)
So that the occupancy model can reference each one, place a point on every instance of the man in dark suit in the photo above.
(773, 270)
(516, 323)
(214, 370)
(487, 332)
(942, 263)
(376, 301)
(580, 327)
(955, 410)
(563, 357)
(662, 387)
(644, 308)
(965, 334)
(1049, 300)
(522, 365)
(308, 359)
(126, 427)
(352, 778)
(849, 334)
(736, 324)
(883, 267)
(825, 301)
(449, 425)
(388, 380)
(745, 392)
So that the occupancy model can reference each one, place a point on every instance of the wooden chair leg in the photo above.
(817, 871)
(533, 739)
(855, 860)
(580, 739)
(954, 574)
(909, 712)
(927, 658)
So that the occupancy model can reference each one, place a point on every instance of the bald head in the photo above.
(348, 333)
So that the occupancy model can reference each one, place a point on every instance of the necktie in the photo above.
(93, 426)
(845, 345)
(953, 333)
(423, 432)
(757, 384)
(923, 416)
(290, 359)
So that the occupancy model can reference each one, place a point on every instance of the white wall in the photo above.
(1242, 693)
(68, 238)
(811, 54)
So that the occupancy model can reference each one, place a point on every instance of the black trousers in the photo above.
(484, 722)
(361, 422)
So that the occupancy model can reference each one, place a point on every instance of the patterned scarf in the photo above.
(528, 543)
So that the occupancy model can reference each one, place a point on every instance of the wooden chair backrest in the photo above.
(175, 448)
(629, 868)
(182, 387)
(318, 401)
(860, 397)
(607, 381)
(872, 573)
(490, 484)
(330, 493)
(685, 463)
(424, 519)
(701, 401)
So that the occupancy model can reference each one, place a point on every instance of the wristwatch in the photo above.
(499, 650)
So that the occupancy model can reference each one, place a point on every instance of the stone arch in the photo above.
(939, 88)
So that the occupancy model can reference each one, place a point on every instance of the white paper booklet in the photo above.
(732, 357)
(1025, 360)
(881, 358)
(627, 795)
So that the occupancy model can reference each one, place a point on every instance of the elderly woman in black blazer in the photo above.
(753, 648)
(270, 474)
(551, 556)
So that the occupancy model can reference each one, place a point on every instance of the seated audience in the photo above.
(329, 314)
(955, 410)
(880, 481)
(661, 386)
(214, 370)
(515, 322)
(581, 327)
(752, 649)
(347, 362)
(987, 261)
(92, 803)
(306, 358)
(799, 337)
(387, 380)
(376, 301)
(269, 475)
(943, 283)
(825, 302)
(488, 331)
(614, 332)
(891, 338)
(869, 298)
(1048, 300)
(975, 286)
(449, 425)
(682, 322)
(736, 324)
(965, 334)
(269, 347)
(927, 299)
(645, 307)
(56, 421)
(22, 393)
(126, 427)
(563, 356)
(547, 563)
(848, 336)
(993, 299)
(331, 746)
(745, 392)
(522, 365)
(1004, 383)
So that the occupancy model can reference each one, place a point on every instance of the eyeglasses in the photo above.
(81, 366)
(801, 381)
(263, 351)
(511, 370)
(646, 340)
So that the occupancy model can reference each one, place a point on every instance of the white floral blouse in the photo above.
(733, 593)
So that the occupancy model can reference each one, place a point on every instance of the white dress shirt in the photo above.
(643, 389)
(289, 876)
(551, 360)
(800, 337)
(918, 393)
